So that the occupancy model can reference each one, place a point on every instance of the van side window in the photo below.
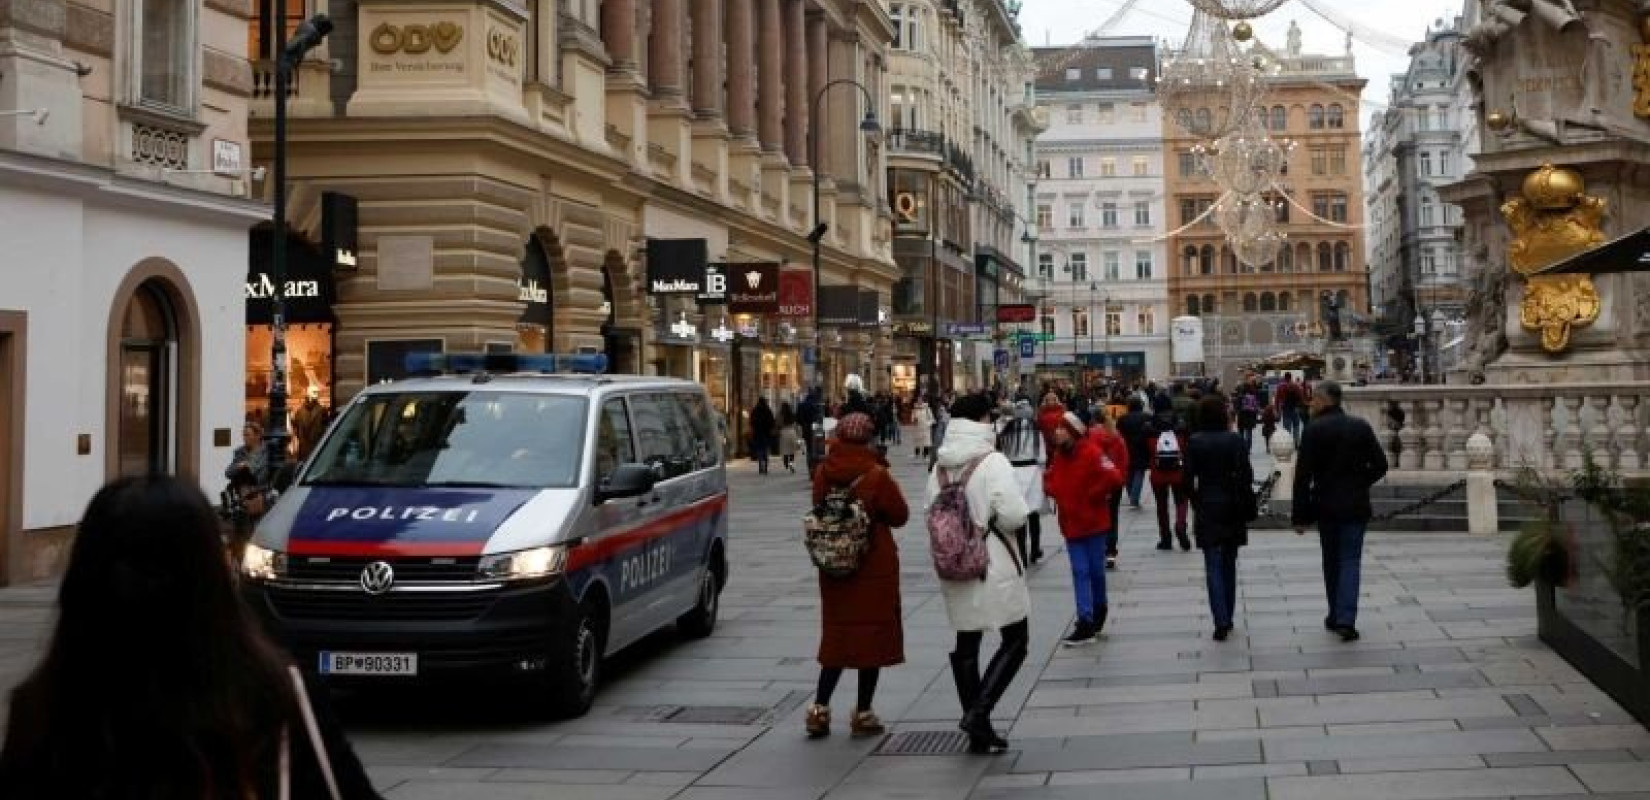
(707, 446)
(613, 445)
(657, 444)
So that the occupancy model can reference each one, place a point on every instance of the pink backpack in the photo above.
(957, 543)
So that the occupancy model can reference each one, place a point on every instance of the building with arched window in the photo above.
(126, 209)
(1314, 101)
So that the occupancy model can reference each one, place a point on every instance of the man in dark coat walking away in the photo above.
(1135, 428)
(1339, 460)
(809, 413)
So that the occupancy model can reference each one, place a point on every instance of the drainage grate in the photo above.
(925, 743)
(717, 715)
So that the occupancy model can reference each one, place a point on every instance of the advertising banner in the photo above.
(676, 266)
(796, 292)
(1186, 340)
(1017, 313)
(753, 288)
(839, 306)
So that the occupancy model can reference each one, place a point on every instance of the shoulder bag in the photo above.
(301, 694)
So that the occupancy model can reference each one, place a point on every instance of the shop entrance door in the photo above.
(11, 459)
(146, 420)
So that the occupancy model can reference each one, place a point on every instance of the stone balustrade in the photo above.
(1546, 427)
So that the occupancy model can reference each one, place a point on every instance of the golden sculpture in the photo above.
(1556, 304)
(1641, 72)
(1555, 219)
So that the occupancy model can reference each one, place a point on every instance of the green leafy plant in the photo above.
(1537, 552)
(1626, 509)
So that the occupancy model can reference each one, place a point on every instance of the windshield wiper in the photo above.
(348, 482)
(469, 485)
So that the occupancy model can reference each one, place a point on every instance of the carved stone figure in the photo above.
(1294, 39)
(1331, 316)
(1486, 315)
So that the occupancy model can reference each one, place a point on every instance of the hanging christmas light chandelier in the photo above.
(1246, 161)
(1211, 82)
(1237, 9)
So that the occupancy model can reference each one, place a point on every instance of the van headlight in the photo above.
(262, 564)
(539, 562)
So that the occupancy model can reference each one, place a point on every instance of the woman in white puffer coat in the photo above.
(1000, 601)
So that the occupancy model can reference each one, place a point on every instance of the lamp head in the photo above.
(869, 125)
(309, 34)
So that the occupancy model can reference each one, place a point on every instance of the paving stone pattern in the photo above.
(1448, 695)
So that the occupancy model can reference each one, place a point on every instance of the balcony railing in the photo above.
(905, 140)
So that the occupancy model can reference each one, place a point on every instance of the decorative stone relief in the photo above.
(159, 147)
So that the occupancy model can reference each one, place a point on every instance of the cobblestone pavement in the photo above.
(1448, 695)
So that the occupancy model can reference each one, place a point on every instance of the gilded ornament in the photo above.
(1641, 72)
(1555, 219)
(1243, 32)
(1557, 304)
(1497, 121)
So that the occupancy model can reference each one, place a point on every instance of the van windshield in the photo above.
(475, 439)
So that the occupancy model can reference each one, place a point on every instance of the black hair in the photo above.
(1212, 414)
(974, 407)
(1136, 404)
(158, 682)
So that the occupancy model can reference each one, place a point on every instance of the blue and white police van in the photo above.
(521, 525)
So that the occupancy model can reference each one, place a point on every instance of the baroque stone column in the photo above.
(771, 97)
(796, 83)
(819, 33)
(741, 35)
(664, 53)
(707, 58)
(619, 33)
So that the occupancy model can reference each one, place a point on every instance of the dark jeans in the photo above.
(1220, 568)
(1137, 481)
(1343, 556)
(1111, 533)
(761, 448)
(1181, 501)
(1292, 423)
(1248, 434)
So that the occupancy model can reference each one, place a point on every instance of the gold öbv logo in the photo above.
(415, 39)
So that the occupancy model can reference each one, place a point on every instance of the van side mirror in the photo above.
(627, 480)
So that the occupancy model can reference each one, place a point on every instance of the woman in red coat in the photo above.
(1081, 480)
(862, 629)
(1114, 447)
(1049, 417)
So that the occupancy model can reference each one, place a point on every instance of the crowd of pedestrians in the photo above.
(998, 466)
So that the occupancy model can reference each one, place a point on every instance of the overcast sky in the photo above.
(1380, 28)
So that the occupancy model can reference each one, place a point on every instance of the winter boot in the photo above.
(1180, 533)
(1163, 541)
(982, 738)
(1100, 619)
(1035, 524)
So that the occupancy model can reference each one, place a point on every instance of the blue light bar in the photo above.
(466, 363)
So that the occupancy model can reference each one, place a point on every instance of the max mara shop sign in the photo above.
(263, 288)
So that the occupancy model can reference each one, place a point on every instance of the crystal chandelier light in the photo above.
(1246, 161)
(1211, 82)
(1237, 9)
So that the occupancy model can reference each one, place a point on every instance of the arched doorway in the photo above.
(146, 419)
(622, 343)
(536, 328)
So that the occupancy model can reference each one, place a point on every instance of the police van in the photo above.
(521, 525)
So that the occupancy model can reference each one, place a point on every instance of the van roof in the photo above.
(531, 382)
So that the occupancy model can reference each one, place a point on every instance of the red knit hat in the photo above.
(857, 428)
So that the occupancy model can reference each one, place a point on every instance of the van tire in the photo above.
(575, 664)
(700, 621)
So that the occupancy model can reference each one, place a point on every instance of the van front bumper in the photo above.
(496, 630)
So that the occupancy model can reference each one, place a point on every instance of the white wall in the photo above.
(65, 257)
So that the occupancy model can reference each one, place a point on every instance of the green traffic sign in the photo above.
(1036, 337)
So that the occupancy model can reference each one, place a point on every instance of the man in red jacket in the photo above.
(1081, 480)
(1112, 446)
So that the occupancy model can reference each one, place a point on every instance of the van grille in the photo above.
(346, 605)
(347, 569)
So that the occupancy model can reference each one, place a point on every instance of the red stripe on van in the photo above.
(605, 548)
(384, 549)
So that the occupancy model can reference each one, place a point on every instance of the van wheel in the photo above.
(700, 622)
(575, 664)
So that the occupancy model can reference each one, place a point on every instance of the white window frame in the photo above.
(1114, 323)
(1045, 265)
(1143, 213)
(1078, 263)
(1143, 267)
(1146, 321)
(1074, 167)
(1079, 321)
(1111, 263)
(1074, 215)
(1142, 166)
(1045, 216)
(1108, 167)
(1108, 215)
(1107, 113)
(131, 59)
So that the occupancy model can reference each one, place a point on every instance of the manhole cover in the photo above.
(925, 743)
(717, 715)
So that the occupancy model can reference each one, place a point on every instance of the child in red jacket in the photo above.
(1081, 480)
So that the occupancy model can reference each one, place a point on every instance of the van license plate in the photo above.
(369, 663)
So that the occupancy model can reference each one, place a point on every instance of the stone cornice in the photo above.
(239, 9)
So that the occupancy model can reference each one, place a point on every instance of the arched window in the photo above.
(1286, 259)
(1326, 257)
(1343, 256)
(1268, 301)
(1303, 257)
(1337, 116)
(1280, 118)
(1314, 117)
(1209, 304)
(1250, 302)
(1204, 121)
(1228, 259)
(1283, 301)
(1188, 258)
(1192, 307)
(1206, 260)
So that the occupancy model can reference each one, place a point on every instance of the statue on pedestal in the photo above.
(1331, 316)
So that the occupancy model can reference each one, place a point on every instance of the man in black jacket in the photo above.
(1339, 460)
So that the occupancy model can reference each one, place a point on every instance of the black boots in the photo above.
(1035, 525)
(1100, 613)
(1180, 533)
(1163, 541)
(982, 738)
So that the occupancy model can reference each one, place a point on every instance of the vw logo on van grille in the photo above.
(377, 577)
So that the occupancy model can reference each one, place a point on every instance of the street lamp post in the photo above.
(287, 56)
(816, 237)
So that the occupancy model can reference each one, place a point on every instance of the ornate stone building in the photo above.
(1101, 272)
(123, 186)
(513, 158)
(1312, 101)
(1419, 143)
(962, 124)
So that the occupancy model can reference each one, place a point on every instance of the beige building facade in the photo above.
(512, 160)
(123, 190)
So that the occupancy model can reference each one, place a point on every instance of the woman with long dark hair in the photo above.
(1021, 441)
(158, 682)
(1218, 475)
